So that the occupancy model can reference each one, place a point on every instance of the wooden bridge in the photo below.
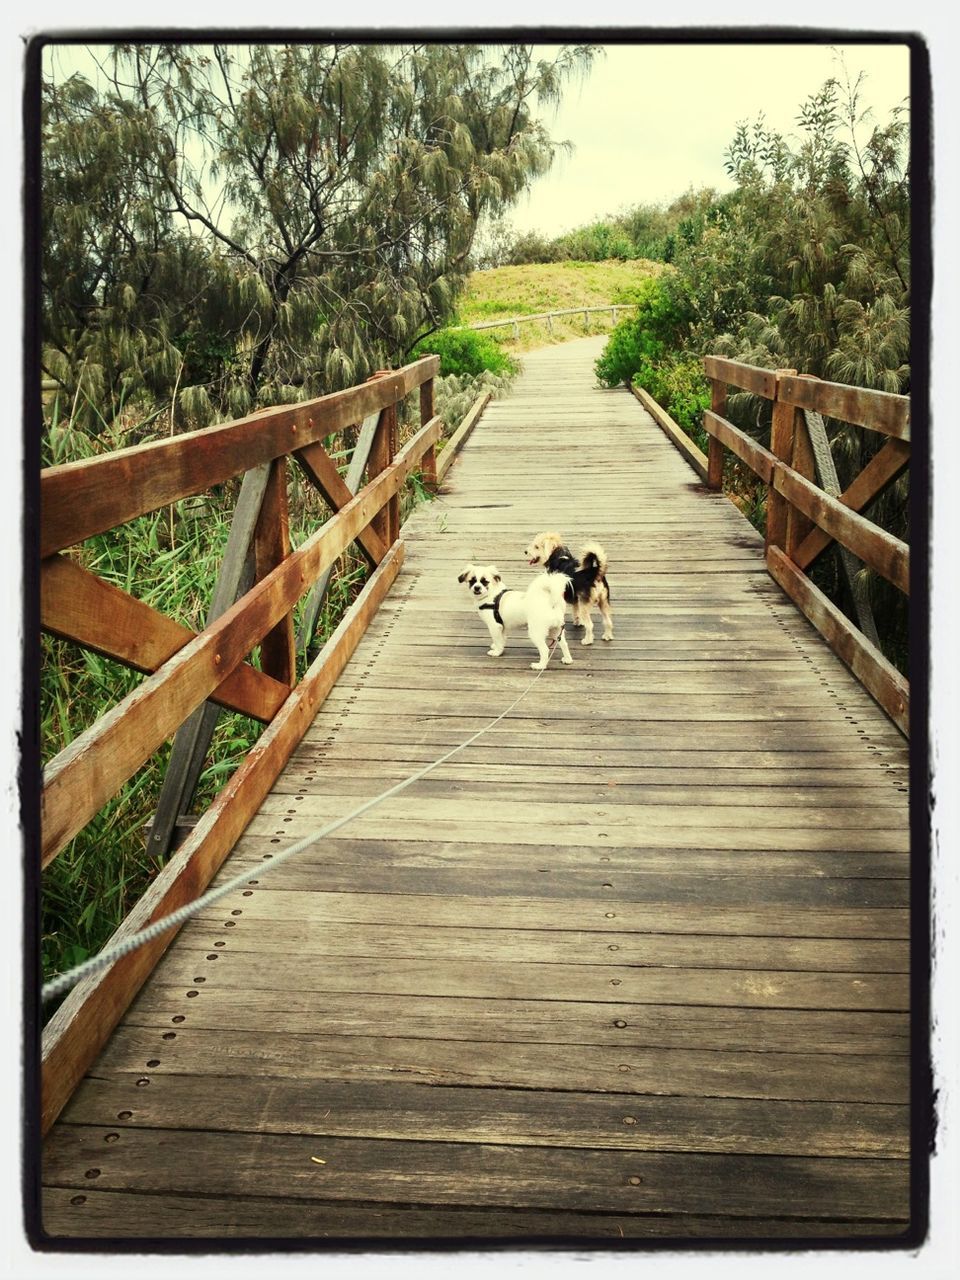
(633, 966)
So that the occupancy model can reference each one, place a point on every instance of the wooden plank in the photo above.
(193, 738)
(782, 433)
(450, 1173)
(663, 950)
(612, 1121)
(79, 1212)
(80, 606)
(828, 1033)
(880, 471)
(878, 676)
(460, 436)
(79, 1028)
(321, 470)
(426, 413)
(760, 460)
(880, 550)
(83, 776)
(761, 382)
(726, 988)
(861, 406)
(803, 462)
(79, 499)
(718, 406)
(520, 912)
(675, 434)
(271, 547)
(353, 481)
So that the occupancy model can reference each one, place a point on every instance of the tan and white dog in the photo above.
(588, 577)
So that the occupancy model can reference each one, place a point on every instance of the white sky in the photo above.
(651, 120)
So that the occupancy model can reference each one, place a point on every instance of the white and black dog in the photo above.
(587, 576)
(541, 608)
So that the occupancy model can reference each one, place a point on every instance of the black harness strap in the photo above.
(495, 606)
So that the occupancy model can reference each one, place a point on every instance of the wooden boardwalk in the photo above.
(634, 965)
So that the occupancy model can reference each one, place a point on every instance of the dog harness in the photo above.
(495, 606)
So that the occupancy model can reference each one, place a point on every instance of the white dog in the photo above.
(541, 608)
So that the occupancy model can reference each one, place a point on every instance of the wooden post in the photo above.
(381, 455)
(193, 738)
(430, 457)
(802, 461)
(271, 545)
(781, 446)
(718, 403)
(550, 323)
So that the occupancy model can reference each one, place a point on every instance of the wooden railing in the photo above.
(802, 520)
(550, 316)
(82, 499)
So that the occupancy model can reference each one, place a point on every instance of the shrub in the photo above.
(659, 324)
(465, 351)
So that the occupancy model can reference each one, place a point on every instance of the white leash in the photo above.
(64, 981)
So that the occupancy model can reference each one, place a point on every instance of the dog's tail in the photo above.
(557, 587)
(593, 558)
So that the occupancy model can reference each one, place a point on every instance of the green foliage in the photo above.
(804, 265)
(352, 178)
(464, 351)
(659, 324)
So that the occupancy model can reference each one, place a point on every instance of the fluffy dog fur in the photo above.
(587, 576)
(541, 608)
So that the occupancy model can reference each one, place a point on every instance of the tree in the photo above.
(325, 196)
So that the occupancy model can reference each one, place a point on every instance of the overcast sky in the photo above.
(648, 121)
(652, 120)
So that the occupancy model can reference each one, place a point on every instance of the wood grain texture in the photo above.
(80, 606)
(635, 964)
(79, 499)
(87, 772)
(677, 436)
(83, 1022)
(861, 406)
(880, 677)
(762, 382)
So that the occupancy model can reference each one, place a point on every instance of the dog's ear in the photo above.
(466, 573)
(493, 573)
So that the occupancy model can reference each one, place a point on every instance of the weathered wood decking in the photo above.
(634, 965)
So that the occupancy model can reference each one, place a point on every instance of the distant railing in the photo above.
(550, 316)
(186, 668)
(803, 518)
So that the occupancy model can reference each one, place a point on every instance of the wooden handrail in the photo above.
(802, 519)
(550, 315)
(81, 499)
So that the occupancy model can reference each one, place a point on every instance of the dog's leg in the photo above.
(497, 636)
(540, 640)
(607, 616)
(587, 625)
(565, 657)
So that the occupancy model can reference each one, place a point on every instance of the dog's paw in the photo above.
(566, 661)
(494, 653)
(605, 636)
(587, 640)
(537, 666)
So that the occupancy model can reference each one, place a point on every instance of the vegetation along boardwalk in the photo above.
(633, 965)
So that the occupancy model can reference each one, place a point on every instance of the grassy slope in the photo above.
(552, 286)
